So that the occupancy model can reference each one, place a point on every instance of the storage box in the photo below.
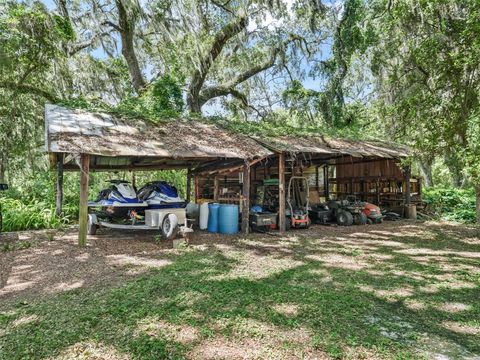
(154, 217)
(262, 219)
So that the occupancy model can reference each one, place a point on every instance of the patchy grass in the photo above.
(400, 290)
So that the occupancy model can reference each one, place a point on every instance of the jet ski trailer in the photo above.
(170, 222)
(119, 207)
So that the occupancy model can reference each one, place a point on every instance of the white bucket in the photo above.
(203, 216)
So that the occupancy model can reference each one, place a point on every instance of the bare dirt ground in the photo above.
(415, 286)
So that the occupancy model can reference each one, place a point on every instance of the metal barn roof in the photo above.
(340, 147)
(78, 131)
(115, 143)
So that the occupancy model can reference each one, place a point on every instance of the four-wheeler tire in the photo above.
(344, 218)
(91, 227)
(169, 228)
(360, 219)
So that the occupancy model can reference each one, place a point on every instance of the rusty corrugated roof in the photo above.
(78, 131)
(325, 145)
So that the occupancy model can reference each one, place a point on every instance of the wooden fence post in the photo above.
(83, 213)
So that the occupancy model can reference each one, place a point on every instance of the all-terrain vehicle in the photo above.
(343, 212)
(372, 212)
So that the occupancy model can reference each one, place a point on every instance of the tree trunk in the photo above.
(2, 171)
(126, 28)
(478, 203)
(455, 166)
(221, 38)
(425, 167)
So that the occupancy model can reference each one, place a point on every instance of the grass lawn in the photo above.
(396, 290)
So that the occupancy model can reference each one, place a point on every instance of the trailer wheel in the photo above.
(91, 227)
(360, 219)
(344, 218)
(169, 228)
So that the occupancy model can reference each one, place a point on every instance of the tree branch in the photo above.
(80, 46)
(221, 38)
(229, 87)
(28, 89)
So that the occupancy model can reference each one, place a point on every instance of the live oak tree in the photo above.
(426, 62)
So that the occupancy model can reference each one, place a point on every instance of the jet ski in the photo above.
(118, 200)
(161, 195)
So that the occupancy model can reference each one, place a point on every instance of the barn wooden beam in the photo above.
(281, 192)
(83, 213)
(99, 168)
(408, 191)
(246, 198)
(214, 166)
(216, 188)
(59, 186)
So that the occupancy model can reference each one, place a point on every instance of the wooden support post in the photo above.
(216, 186)
(189, 185)
(408, 190)
(83, 213)
(246, 198)
(59, 187)
(377, 188)
(197, 190)
(326, 182)
(316, 177)
(281, 192)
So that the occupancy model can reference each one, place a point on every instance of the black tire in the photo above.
(91, 227)
(360, 219)
(344, 218)
(166, 231)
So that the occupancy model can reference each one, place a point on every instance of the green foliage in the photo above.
(166, 95)
(36, 214)
(160, 101)
(452, 204)
(64, 28)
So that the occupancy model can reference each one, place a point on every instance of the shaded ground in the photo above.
(397, 290)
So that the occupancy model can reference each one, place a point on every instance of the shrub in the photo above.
(451, 203)
(19, 215)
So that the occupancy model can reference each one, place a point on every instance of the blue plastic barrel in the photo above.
(228, 219)
(213, 217)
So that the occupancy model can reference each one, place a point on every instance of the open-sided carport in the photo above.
(79, 140)
(82, 141)
(360, 168)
